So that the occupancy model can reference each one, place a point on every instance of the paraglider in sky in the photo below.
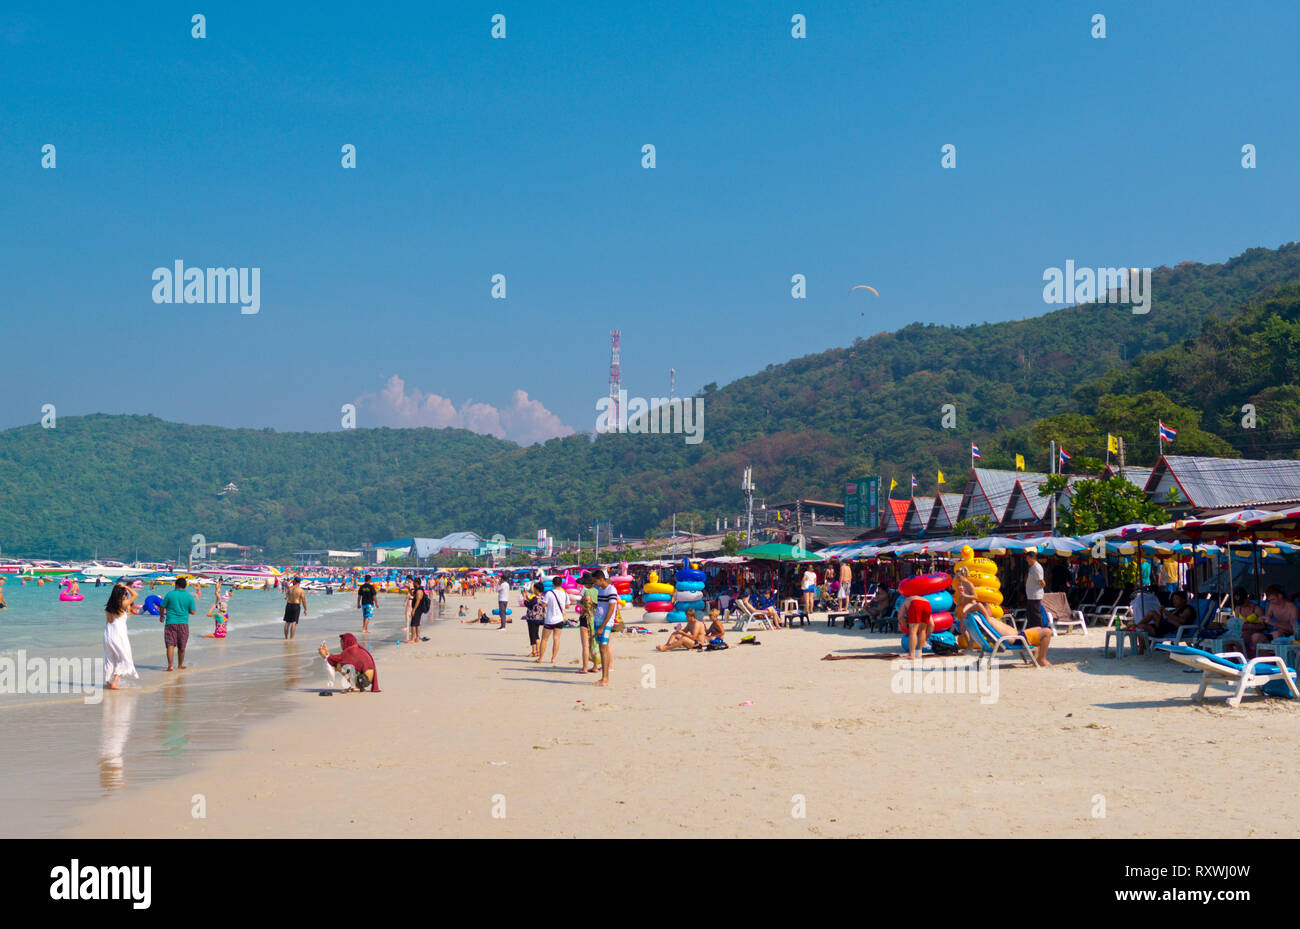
(864, 287)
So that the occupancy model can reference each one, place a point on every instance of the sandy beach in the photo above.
(471, 738)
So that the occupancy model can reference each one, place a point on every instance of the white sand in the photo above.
(686, 758)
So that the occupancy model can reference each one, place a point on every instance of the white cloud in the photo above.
(524, 420)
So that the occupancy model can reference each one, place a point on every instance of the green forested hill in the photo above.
(1217, 336)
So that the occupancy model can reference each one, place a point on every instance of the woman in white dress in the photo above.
(117, 647)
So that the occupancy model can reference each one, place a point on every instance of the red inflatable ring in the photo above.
(925, 584)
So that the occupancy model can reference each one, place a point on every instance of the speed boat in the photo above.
(252, 572)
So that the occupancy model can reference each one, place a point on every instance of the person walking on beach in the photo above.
(295, 606)
(586, 613)
(607, 609)
(556, 601)
(503, 600)
(846, 584)
(366, 595)
(177, 608)
(809, 588)
(117, 647)
(420, 606)
(442, 594)
(534, 615)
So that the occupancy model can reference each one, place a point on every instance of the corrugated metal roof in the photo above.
(919, 515)
(1228, 482)
(991, 491)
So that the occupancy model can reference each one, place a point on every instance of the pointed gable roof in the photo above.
(1209, 483)
(894, 516)
(918, 516)
(943, 514)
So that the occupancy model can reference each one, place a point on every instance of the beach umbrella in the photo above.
(1061, 545)
(780, 551)
(995, 545)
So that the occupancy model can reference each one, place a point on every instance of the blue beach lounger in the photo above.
(991, 644)
(1267, 672)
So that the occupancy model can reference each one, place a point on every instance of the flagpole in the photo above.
(1053, 492)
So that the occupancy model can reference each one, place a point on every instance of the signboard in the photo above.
(543, 543)
(862, 502)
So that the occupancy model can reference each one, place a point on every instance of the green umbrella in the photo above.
(781, 551)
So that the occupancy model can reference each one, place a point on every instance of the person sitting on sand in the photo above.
(692, 636)
(715, 630)
(462, 610)
(365, 673)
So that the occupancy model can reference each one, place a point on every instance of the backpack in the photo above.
(944, 643)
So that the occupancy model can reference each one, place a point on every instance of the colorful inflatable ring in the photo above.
(925, 584)
(979, 565)
(985, 595)
(688, 596)
(497, 611)
(660, 606)
(690, 574)
(689, 585)
(656, 598)
(940, 602)
(675, 617)
(658, 588)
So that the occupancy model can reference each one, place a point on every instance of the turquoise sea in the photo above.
(62, 750)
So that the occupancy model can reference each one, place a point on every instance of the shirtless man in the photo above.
(846, 584)
(1281, 614)
(693, 635)
(295, 606)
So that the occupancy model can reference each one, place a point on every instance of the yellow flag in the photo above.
(892, 484)
(941, 480)
(1112, 444)
(1020, 462)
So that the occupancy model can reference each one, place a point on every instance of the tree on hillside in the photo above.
(1101, 504)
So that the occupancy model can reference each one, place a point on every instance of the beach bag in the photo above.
(944, 643)
(716, 644)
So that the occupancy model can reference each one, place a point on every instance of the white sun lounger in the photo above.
(1232, 668)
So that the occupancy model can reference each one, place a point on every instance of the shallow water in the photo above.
(65, 749)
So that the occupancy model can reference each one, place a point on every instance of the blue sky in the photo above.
(522, 156)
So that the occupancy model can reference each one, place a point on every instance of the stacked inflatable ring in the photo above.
(689, 594)
(657, 597)
(983, 573)
(933, 587)
(622, 583)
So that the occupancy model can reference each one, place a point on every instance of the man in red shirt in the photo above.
(919, 622)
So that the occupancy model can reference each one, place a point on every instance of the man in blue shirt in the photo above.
(174, 613)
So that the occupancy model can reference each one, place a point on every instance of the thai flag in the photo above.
(1065, 456)
(914, 483)
(975, 451)
(1167, 434)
